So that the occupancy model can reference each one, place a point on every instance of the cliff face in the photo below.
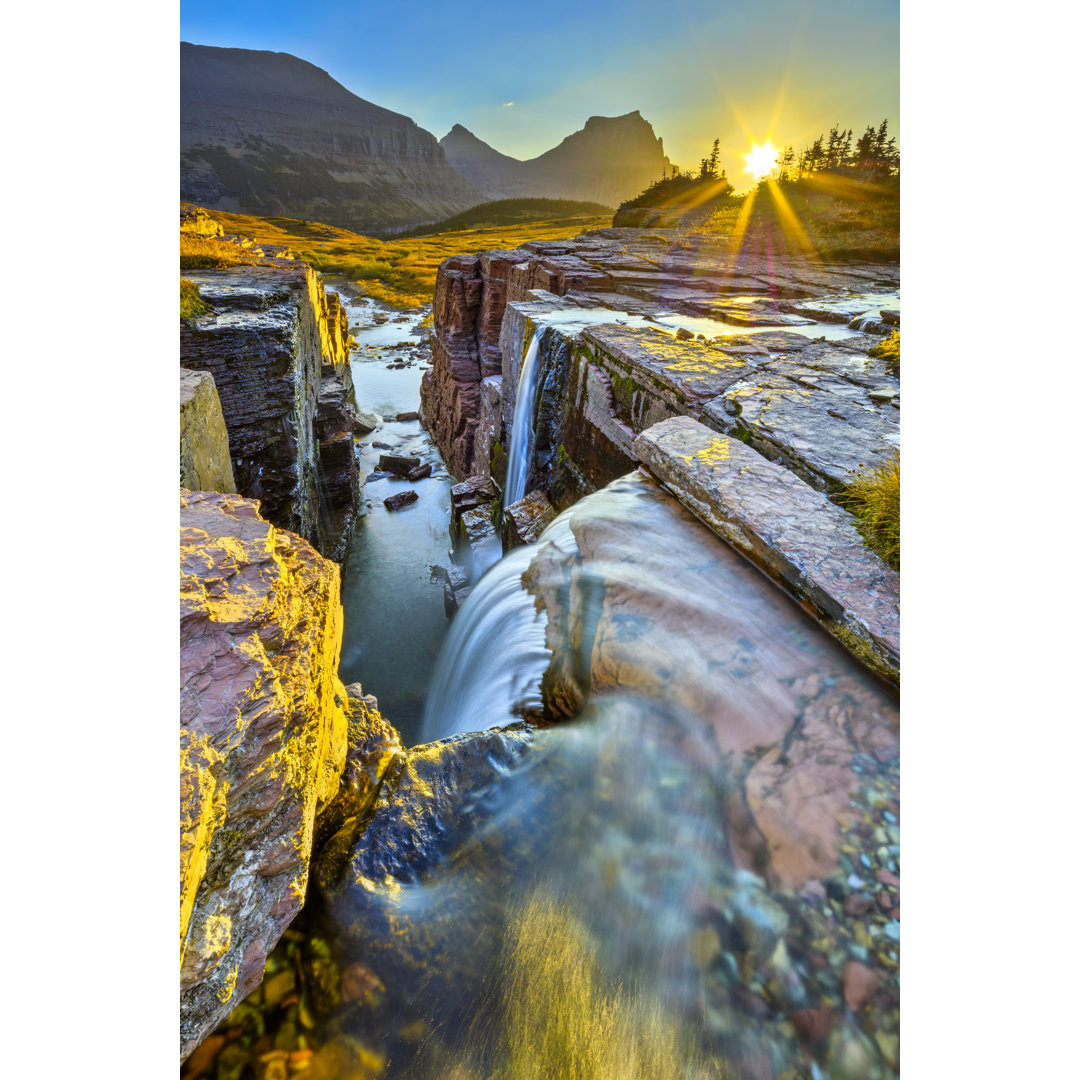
(269, 133)
(276, 346)
(611, 159)
(263, 742)
(205, 464)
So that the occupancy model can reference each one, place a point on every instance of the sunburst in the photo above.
(761, 160)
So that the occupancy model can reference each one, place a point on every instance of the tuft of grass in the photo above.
(873, 496)
(191, 303)
(889, 351)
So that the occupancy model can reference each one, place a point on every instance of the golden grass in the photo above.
(873, 496)
(889, 351)
(564, 1017)
(191, 303)
(399, 273)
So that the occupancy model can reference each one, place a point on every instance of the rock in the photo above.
(205, 464)
(682, 334)
(477, 491)
(799, 538)
(383, 445)
(263, 742)
(403, 498)
(195, 221)
(654, 592)
(406, 416)
(814, 1025)
(399, 466)
(890, 316)
(368, 422)
(857, 905)
(525, 520)
(476, 542)
(421, 472)
(271, 336)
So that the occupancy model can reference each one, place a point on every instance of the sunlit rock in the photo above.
(263, 741)
(205, 464)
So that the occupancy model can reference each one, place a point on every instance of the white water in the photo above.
(522, 436)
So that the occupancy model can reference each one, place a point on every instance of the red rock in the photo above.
(260, 614)
(814, 1025)
(357, 980)
(885, 901)
(857, 904)
(887, 877)
(860, 983)
(202, 1056)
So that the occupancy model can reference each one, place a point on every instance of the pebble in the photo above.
(855, 882)
(892, 928)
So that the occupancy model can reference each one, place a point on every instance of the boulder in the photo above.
(263, 742)
(525, 520)
(272, 337)
(398, 465)
(205, 464)
(400, 500)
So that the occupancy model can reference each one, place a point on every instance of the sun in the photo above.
(761, 160)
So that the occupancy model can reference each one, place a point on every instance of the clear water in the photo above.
(395, 622)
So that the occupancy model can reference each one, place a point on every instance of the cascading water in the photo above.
(522, 435)
(654, 888)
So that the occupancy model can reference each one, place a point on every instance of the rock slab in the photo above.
(794, 532)
(263, 731)
(204, 441)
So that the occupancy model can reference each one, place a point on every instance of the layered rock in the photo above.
(610, 159)
(263, 741)
(205, 464)
(277, 347)
(268, 133)
(793, 532)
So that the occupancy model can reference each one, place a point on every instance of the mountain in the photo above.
(611, 159)
(268, 133)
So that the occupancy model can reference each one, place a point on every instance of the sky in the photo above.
(522, 80)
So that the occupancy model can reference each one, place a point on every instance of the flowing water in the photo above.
(658, 887)
(522, 435)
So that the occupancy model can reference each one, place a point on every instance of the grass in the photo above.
(399, 272)
(889, 351)
(191, 303)
(504, 212)
(873, 496)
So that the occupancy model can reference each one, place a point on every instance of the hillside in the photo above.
(610, 159)
(502, 212)
(269, 133)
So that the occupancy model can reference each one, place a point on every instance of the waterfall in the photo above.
(493, 658)
(522, 435)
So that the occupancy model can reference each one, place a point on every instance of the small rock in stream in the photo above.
(406, 416)
(383, 445)
(421, 472)
(404, 498)
(396, 464)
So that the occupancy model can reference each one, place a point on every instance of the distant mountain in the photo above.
(611, 159)
(268, 133)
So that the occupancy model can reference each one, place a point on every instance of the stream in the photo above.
(654, 888)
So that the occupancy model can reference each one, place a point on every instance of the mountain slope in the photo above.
(269, 133)
(610, 159)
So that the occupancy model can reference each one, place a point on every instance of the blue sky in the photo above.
(696, 69)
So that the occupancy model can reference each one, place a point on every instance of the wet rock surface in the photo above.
(205, 464)
(793, 532)
(263, 741)
(525, 520)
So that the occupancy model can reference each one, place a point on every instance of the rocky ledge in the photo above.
(264, 726)
(277, 347)
(636, 328)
